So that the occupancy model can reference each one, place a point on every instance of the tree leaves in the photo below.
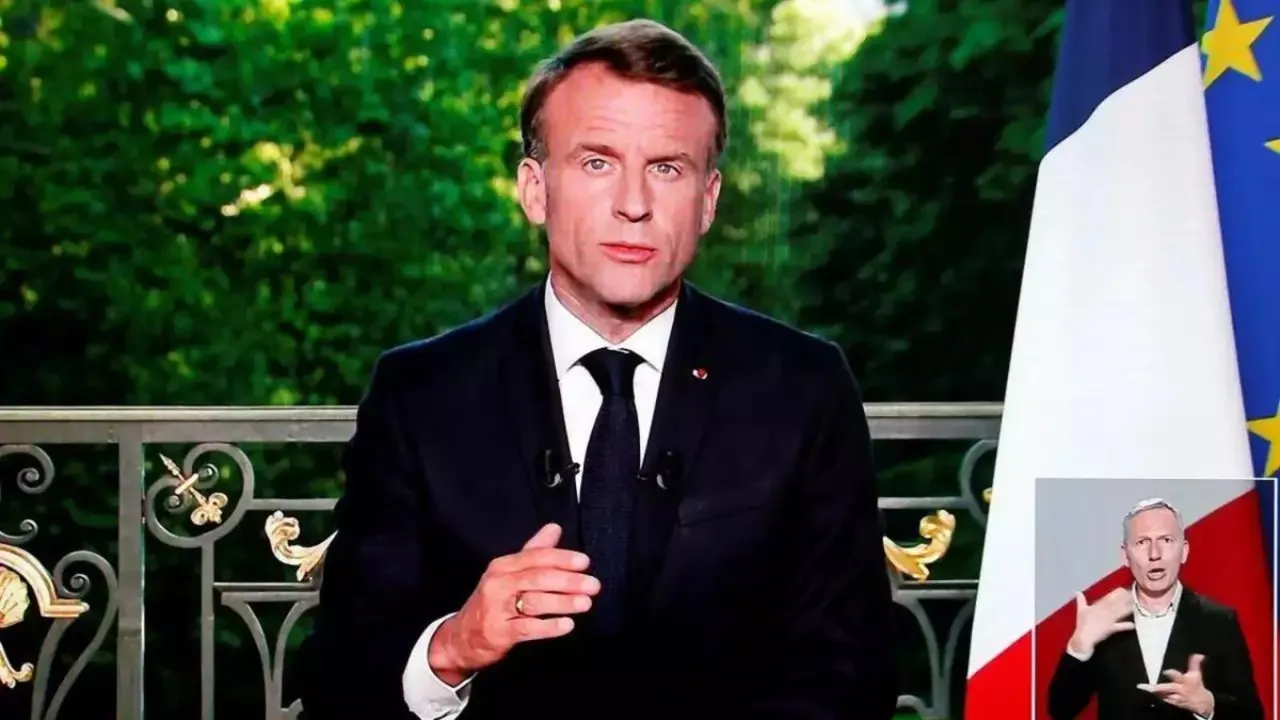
(215, 160)
(927, 213)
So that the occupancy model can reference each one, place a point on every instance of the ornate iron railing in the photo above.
(188, 493)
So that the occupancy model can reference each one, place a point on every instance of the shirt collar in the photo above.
(571, 338)
(1173, 604)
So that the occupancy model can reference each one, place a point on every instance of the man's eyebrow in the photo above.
(680, 157)
(596, 148)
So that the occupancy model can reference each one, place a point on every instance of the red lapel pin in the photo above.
(700, 373)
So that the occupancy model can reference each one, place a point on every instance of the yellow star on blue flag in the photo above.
(1241, 62)
(1228, 45)
(1268, 428)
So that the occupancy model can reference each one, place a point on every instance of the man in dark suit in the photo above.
(1131, 664)
(616, 497)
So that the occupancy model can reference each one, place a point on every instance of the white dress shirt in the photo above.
(428, 696)
(1153, 633)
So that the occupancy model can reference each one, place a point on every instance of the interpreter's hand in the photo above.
(528, 595)
(1101, 620)
(1185, 690)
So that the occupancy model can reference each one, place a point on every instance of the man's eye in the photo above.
(596, 164)
(666, 169)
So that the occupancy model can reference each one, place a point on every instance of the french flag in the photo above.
(1124, 360)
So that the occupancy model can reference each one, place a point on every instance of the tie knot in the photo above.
(613, 370)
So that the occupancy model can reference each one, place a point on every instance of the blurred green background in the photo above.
(242, 202)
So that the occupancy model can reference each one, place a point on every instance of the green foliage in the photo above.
(928, 210)
(251, 199)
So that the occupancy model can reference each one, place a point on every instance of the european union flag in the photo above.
(1241, 61)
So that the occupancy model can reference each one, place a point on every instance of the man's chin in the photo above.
(629, 305)
(633, 296)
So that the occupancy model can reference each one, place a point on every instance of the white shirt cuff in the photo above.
(1082, 657)
(429, 697)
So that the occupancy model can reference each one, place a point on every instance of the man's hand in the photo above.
(1101, 620)
(1185, 690)
(544, 579)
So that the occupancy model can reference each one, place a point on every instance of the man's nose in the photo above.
(633, 201)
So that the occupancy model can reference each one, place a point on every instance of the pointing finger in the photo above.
(547, 536)
(554, 581)
(1193, 665)
(548, 557)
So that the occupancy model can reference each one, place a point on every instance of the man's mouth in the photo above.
(628, 253)
(1156, 574)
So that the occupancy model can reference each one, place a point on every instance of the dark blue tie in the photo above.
(609, 477)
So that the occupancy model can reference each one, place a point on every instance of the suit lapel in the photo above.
(691, 375)
(529, 385)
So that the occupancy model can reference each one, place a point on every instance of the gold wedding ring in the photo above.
(520, 604)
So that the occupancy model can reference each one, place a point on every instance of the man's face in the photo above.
(625, 191)
(1155, 550)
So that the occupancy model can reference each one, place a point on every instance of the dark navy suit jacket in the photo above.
(758, 582)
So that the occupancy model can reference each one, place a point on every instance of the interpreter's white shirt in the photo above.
(1153, 633)
(429, 697)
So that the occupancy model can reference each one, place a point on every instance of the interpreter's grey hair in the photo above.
(1154, 503)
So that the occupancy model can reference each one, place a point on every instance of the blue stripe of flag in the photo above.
(1244, 115)
(1107, 44)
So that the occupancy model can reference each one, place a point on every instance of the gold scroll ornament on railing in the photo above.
(914, 561)
(282, 529)
(938, 529)
(22, 575)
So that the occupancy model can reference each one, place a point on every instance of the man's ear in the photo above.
(710, 199)
(531, 187)
(1186, 551)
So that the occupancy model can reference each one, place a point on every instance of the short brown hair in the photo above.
(641, 50)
